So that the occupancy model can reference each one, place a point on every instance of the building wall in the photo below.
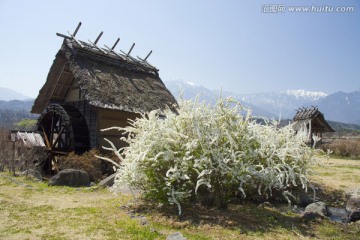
(112, 118)
(98, 119)
(90, 115)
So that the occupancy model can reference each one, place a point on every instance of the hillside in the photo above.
(7, 94)
(342, 107)
(14, 111)
(337, 107)
(189, 91)
(342, 110)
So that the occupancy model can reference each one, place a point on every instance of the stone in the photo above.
(353, 203)
(32, 173)
(71, 178)
(265, 204)
(315, 210)
(354, 216)
(176, 236)
(305, 200)
(109, 181)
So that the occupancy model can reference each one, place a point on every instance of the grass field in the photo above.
(32, 210)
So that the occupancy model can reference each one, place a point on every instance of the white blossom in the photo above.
(211, 146)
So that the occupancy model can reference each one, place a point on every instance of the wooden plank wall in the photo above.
(98, 119)
(90, 115)
(112, 118)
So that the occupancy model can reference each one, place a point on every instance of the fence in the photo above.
(20, 150)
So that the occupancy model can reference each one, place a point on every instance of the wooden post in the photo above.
(321, 137)
(130, 49)
(12, 160)
(117, 41)
(77, 29)
(147, 55)
(98, 38)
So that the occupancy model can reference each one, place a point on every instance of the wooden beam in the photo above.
(111, 50)
(97, 47)
(63, 84)
(98, 38)
(130, 49)
(58, 96)
(73, 37)
(57, 80)
(113, 47)
(145, 63)
(46, 138)
(147, 55)
(63, 36)
(58, 136)
(77, 29)
(128, 56)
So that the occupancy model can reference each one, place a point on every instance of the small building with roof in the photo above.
(313, 120)
(90, 88)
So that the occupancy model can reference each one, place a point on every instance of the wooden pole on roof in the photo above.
(77, 41)
(111, 50)
(77, 29)
(130, 49)
(98, 38)
(147, 55)
(113, 47)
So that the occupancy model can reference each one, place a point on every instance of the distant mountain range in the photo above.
(12, 112)
(7, 94)
(338, 107)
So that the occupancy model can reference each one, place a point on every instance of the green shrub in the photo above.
(211, 154)
(26, 124)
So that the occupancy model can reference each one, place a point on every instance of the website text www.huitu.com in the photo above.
(282, 8)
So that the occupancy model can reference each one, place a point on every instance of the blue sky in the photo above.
(231, 45)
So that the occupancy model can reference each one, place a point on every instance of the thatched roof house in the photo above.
(313, 120)
(103, 80)
(105, 87)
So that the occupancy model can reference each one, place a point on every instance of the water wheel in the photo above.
(64, 130)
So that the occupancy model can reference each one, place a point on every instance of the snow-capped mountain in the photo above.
(187, 91)
(313, 96)
(339, 106)
(283, 103)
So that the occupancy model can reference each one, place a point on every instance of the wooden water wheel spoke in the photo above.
(52, 130)
(64, 130)
(58, 137)
(47, 142)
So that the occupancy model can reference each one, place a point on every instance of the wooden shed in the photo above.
(313, 120)
(89, 88)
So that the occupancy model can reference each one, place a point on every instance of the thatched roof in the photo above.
(106, 80)
(313, 116)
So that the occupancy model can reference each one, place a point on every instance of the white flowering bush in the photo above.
(210, 153)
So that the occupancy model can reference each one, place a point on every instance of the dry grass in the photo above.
(337, 174)
(32, 210)
(336, 178)
(345, 148)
